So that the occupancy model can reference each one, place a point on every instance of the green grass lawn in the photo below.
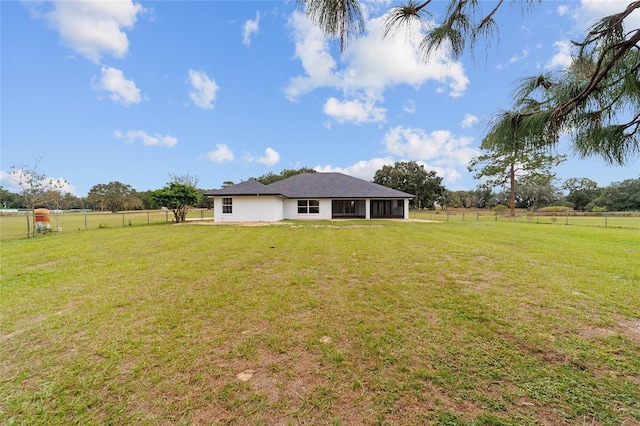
(361, 322)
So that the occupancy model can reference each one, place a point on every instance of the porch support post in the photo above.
(367, 208)
(406, 208)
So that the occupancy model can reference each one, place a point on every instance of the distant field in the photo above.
(613, 220)
(334, 322)
(15, 225)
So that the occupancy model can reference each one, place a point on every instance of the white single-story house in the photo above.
(308, 196)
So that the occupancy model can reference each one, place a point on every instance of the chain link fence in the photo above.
(20, 224)
(601, 219)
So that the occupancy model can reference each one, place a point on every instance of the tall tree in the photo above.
(505, 162)
(191, 180)
(8, 199)
(113, 196)
(536, 191)
(336, 18)
(596, 99)
(619, 196)
(581, 192)
(286, 173)
(177, 197)
(412, 178)
(70, 201)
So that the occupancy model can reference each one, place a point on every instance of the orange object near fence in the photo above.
(43, 222)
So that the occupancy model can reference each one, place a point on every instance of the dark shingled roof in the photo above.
(332, 185)
(250, 187)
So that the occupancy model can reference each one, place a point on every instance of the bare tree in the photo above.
(35, 188)
(187, 179)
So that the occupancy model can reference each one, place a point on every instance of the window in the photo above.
(227, 205)
(314, 206)
(387, 208)
(308, 206)
(348, 208)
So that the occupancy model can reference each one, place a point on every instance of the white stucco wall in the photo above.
(249, 208)
(291, 210)
(267, 208)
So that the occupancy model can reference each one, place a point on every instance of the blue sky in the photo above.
(228, 90)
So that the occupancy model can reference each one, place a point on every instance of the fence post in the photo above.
(606, 214)
(28, 226)
(85, 221)
(148, 218)
(463, 216)
(496, 216)
(123, 220)
(477, 216)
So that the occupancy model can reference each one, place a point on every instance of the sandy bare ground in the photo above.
(285, 223)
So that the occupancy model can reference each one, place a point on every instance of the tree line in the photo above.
(578, 194)
(519, 179)
(537, 188)
(105, 197)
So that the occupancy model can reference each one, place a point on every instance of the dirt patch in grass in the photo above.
(42, 265)
(627, 328)
(210, 222)
(631, 329)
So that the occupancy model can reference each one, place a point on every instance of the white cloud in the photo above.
(367, 169)
(11, 181)
(562, 58)
(147, 140)
(221, 154)
(120, 89)
(371, 65)
(362, 169)
(584, 15)
(270, 158)
(92, 28)
(250, 28)
(525, 54)
(354, 111)
(203, 89)
(439, 146)
(590, 11)
(469, 120)
(409, 107)
(439, 150)
(375, 63)
(312, 49)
